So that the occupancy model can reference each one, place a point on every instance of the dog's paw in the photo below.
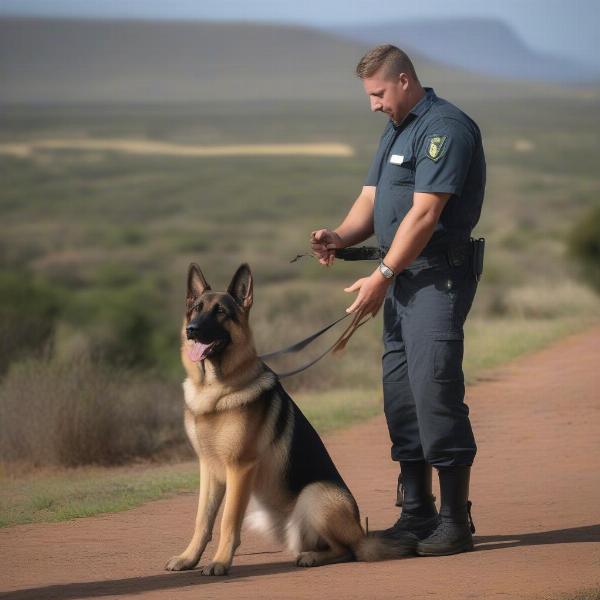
(215, 568)
(180, 563)
(307, 559)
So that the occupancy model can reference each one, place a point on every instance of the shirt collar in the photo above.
(422, 106)
(419, 109)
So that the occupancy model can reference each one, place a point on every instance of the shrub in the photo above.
(126, 326)
(584, 246)
(28, 313)
(55, 413)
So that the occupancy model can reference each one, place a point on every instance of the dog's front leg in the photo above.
(239, 481)
(209, 501)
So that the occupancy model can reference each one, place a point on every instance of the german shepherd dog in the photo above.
(255, 447)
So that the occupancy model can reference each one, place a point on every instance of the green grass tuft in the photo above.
(61, 496)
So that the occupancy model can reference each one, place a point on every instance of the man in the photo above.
(422, 198)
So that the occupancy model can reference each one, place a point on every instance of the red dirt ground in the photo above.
(536, 505)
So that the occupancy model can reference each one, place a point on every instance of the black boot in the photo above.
(419, 515)
(454, 531)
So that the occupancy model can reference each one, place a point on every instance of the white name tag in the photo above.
(397, 159)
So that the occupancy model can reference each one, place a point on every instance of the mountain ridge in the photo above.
(480, 45)
(85, 61)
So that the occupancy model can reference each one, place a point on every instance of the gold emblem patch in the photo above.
(436, 145)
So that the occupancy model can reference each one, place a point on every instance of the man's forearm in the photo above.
(415, 230)
(412, 236)
(358, 224)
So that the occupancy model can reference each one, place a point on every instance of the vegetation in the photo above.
(584, 246)
(77, 413)
(28, 312)
(591, 594)
(94, 248)
(33, 494)
(49, 496)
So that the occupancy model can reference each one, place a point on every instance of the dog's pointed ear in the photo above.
(196, 285)
(241, 287)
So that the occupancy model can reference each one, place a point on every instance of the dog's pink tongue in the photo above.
(197, 350)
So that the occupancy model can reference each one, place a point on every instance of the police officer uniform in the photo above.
(436, 149)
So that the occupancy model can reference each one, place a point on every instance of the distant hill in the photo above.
(483, 46)
(68, 61)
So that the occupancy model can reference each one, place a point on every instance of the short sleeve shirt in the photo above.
(436, 149)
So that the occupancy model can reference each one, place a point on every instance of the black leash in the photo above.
(303, 343)
(339, 343)
(454, 255)
(352, 253)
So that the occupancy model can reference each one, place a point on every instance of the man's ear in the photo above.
(196, 285)
(241, 287)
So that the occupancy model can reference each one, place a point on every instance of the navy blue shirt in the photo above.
(438, 149)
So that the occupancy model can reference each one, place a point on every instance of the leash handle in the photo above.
(352, 253)
(359, 253)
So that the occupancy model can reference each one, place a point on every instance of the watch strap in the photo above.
(386, 271)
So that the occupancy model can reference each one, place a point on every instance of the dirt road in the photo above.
(536, 505)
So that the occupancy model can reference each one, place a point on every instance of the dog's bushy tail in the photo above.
(376, 546)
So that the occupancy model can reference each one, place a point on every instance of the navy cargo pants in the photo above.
(423, 383)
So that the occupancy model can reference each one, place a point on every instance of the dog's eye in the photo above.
(197, 307)
(221, 310)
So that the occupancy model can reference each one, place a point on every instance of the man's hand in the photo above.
(323, 243)
(371, 293)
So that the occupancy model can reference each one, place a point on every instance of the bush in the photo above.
(126, 326)
(55, 413)
(28, 313)
(584, 246)
(122, 318)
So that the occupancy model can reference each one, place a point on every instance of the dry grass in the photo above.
(55, 413)
(591, 594)
(115, 232)
(548, 300)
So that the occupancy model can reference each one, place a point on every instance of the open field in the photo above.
(94, 244)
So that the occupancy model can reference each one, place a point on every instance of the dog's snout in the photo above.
(191, 330)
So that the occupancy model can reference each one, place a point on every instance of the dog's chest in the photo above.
(200, 400)
(219, 437)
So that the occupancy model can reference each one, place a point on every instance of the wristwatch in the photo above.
(385, 270)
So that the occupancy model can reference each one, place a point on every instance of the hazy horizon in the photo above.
(547, 26)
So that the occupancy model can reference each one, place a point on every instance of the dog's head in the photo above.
(215, 321)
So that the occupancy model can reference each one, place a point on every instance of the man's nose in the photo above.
(375, 104)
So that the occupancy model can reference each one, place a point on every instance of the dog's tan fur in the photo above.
(231, 419)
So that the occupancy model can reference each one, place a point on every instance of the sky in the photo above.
(568, 29)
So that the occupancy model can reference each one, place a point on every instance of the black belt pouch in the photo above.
(478, 246)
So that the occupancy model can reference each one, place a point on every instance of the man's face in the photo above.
(387, 95)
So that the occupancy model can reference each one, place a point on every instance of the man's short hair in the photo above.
(392, 59)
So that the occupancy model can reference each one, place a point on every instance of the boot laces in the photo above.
(448, 526)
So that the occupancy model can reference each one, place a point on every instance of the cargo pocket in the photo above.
(448, 351)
